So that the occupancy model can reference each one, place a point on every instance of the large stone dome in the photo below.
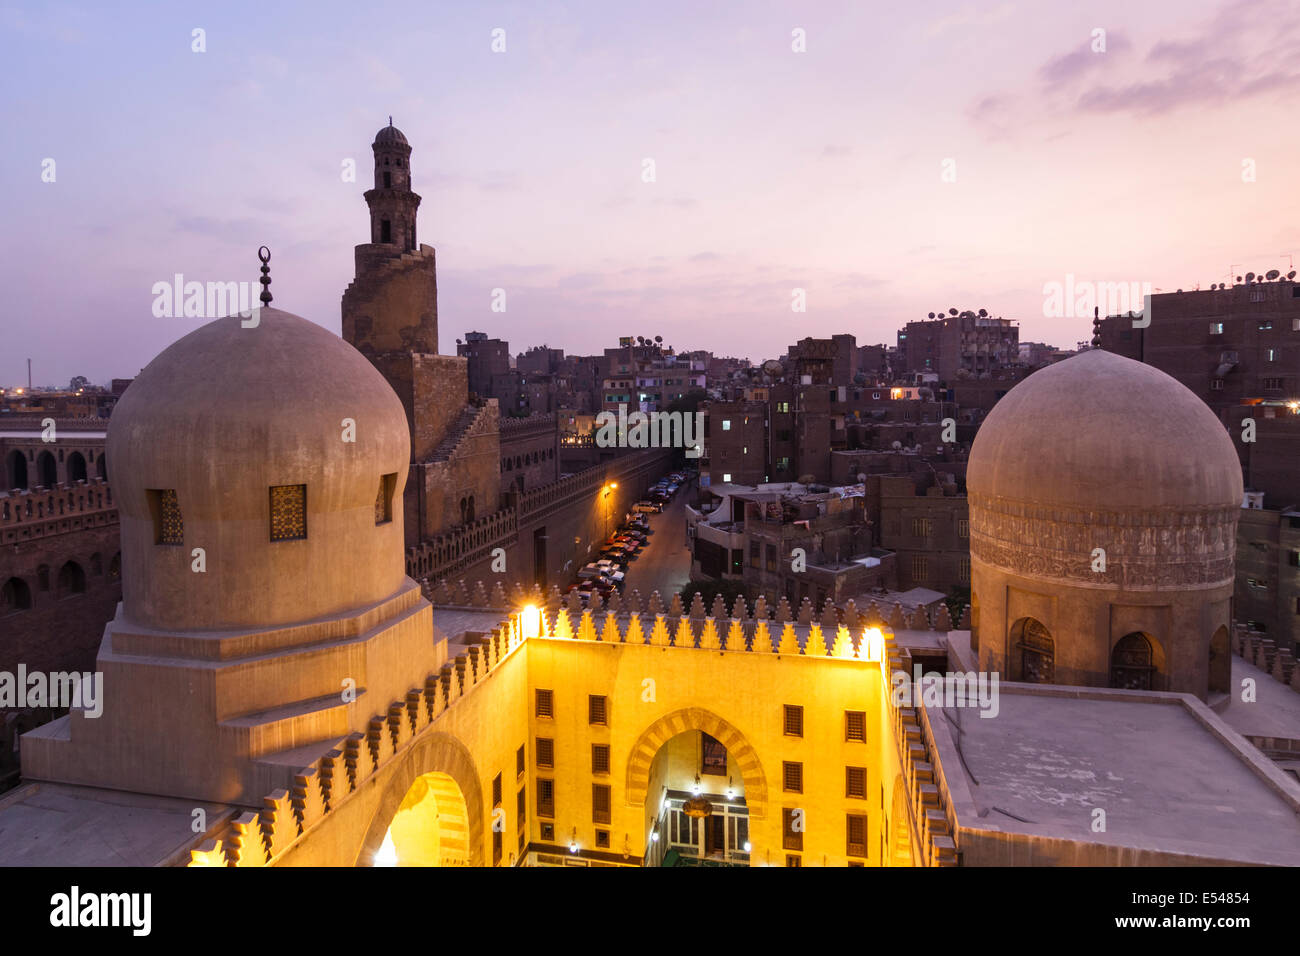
(202, 437)
(1103, 432)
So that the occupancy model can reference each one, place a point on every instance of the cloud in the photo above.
(1070, 66)
(970, 16)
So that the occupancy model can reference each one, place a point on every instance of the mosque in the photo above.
(279, 691)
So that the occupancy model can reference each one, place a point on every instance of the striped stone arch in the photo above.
(448, 758)
(696, 718)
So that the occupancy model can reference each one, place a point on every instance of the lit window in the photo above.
(726, 476)
(726, 424)
(1216, 328)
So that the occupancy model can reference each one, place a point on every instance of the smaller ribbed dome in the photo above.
(390, 135)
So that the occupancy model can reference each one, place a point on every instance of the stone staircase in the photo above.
(447, 447)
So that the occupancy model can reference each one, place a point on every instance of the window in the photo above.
(596, 709)
(1216, 384)
(288, 512)
(600, 803)
(600, 758)
(920, 567)
(544, 704)
(1265, 325)
(1272, 385)
(791, 860)
(963, 570)
(496, 791)
(727, 476)
(726, 424)
(384, 499)
(856, 834)
(521, 815)
(520, 760)
(713, 756)
(496, 846)
(546, 798)
(771, 557)
(855, 782)
(791, 829)
(1270, 355)
(963, 527)
(793, 720)
(755, 554)
(920, 527)
(602, 838)
(855, 725)
(548, 832)
(1293, 558)
(791, 776)
(545, 752)
(168, 527)
(1216, 328)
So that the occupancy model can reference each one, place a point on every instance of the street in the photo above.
(664, 565)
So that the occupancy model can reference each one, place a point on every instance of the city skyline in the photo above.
(530, 163)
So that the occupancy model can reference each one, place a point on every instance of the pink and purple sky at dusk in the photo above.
(775, 170)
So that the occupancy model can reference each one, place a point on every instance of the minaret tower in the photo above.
(392, 204)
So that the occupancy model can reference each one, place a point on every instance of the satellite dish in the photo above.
(1250, 277)
(861, 477)
(1272, 274)
(772, 366)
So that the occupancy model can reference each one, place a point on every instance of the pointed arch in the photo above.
(679, 722)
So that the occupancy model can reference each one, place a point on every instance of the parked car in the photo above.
(645, 507)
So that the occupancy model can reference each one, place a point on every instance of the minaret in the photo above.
(392, 204)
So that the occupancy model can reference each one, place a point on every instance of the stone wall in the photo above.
(60, 567)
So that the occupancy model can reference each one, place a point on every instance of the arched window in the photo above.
(72, 579)
(15, 596)
(101, 467)
(1033, 651)
(1130, 663)
(47, 471)
(115, 566)
(16, 470)
(96, 564)
(76, 467)
(470, 511)
(464, 510)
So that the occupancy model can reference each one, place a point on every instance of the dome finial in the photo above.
(264, 254)
(390, 119)
(1096, 327)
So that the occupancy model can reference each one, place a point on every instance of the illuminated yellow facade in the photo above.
(579, 743)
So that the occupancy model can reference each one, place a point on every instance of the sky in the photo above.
(909, 158)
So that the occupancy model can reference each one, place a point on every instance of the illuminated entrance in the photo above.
(696, 813)
(430, 827)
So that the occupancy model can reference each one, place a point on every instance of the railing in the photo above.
(27, 514)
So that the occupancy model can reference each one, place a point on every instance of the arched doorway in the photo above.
(661, 771)
(1220, 662)
(72, 580)
(15, 596)
(430, 827)
(1132, 663)
(76, 467)
(695, 810)
(1033, 651)
(16, 470)
(434, 783)
(47, 470)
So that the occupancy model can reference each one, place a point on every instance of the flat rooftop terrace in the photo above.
(1178, 785)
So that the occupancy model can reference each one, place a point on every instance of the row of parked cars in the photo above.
(620, 549)
(660, 493)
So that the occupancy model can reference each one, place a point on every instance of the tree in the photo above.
(708, 590)
(957, 599)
